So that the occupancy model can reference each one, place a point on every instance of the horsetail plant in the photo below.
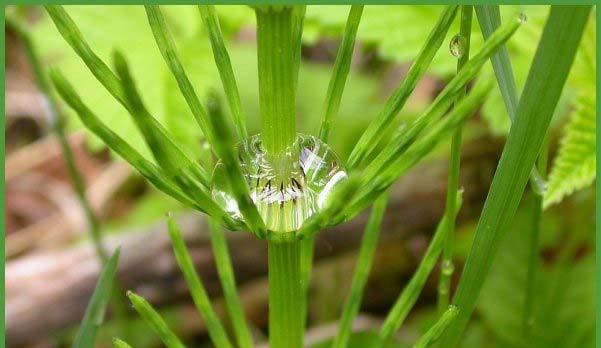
(284, 187)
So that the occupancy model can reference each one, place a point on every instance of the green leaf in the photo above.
(550, 67)
(438, 328)
(97, 306)
(118, 343)
(574, 166)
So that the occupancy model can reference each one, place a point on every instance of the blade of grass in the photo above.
(224, 148)
(154, 320)
(228, 284)
(446, 269)
(97, 306)
(369, 243)
(549, 70)
(197, 289)
(373, 186)
(118, 343)
(342, 66)
(150, 171)
(372, 135)
(489, 18)
(58, 125)
(440, 104)
(166, 46)
(222, 60)
(433, 333)
(411, 292)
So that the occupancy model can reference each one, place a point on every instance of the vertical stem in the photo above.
(278, 49)
(447, 266)
(537, 207)
(277, 77)
(286, 324)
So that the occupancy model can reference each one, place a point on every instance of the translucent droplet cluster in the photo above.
(457, 45)
(287, 191)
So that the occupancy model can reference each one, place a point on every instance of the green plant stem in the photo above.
(533, 254)
(277, 80)
(548, 73)
(228, 283)
(306, 265)
(447, 267)
(286, 325)
(153, 318)
(362, 268)
(438, 328)
(342, 66)
(58, 125)
(197, 289)
(222, 60)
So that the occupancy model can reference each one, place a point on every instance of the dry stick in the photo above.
(447, 267)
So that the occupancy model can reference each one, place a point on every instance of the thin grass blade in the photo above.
(155, 321)
(362, 268)
(489, 18)
(119, 343)
(433, 333)
(197, 289)
(166, 46)
(372, 135)
(222, 60)
(228, 284)
(97, 306)
(411, 292)
(550, 68)
(342, 66)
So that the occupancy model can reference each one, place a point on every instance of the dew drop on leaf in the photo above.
(457, 45)
(522, 18)
(284, 202)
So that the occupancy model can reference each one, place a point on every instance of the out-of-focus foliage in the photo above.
(575, 164)
(564, 303)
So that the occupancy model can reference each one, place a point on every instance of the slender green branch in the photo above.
(222, 60)
(446, 269)
(372, 135)
(118, 343)
(533, 257)
(153, 318)
(228, 284)
(362, 268)
(224, 148)
(150, 171)
(409, 295)
(342, 66)
(306, 264)
(197, 290)
(389, 172)
(58, 125)
(433, 333)
(286, 325)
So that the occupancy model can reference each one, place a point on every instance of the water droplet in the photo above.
(284, 203)
(539, 184)
(447, 267)
(522, 18)
(457, 45)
